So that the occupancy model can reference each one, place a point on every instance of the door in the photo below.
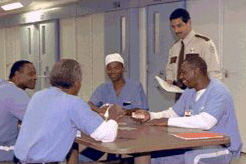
(117, 35)
(40, 45)
(160, 39)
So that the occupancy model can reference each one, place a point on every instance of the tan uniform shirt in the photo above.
(194, 45)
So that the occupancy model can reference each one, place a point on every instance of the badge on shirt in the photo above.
(126, 103)
(173, 60)
(192, 50)
(188, 113)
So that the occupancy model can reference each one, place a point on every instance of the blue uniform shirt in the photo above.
(132, 95)
(13, 103)
(217, 102)
(50, 124)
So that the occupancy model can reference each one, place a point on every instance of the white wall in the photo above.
(2, 54)
(82, 39)
(234, 57)
(9, 49)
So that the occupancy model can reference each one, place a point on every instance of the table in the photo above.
(134, 137)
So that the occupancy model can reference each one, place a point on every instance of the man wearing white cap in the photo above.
(124, 92)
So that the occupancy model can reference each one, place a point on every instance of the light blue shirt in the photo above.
(13, 103)
(216, 101)
(132, 95)
(50, 124)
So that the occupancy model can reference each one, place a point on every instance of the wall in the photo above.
(9, 49)
(82, 38)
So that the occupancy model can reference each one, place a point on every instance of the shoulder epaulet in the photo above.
(203, 37)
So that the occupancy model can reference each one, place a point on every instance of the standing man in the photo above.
(206, 104)
(189, 44)
(124, 92)
(55, 114)
(13, 103)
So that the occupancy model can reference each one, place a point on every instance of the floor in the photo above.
(242, 160)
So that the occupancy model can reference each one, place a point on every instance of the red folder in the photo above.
(191, 136)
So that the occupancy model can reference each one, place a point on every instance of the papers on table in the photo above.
(168, 87)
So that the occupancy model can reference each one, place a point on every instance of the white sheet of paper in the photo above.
(168, 87)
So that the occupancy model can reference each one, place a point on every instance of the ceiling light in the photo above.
(12, 6)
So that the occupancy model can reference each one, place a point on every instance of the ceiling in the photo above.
(31, 5)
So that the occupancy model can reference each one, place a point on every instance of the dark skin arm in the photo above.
(147, 121)
(115, 111)
(101, 111)
(158, 122)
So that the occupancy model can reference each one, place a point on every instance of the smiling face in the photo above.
(180, 28)
(115, 71)
(26, 76)
(189, 75)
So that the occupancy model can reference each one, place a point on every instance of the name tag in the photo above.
(173, 60)
(191, 55)
(188, 113)
(127, 103)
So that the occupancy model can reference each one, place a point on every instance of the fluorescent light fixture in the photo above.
(12, 6)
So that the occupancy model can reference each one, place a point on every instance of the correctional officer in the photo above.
(189, 44)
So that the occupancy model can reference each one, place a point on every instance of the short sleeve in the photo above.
(217, 105)
(97, 96)
(210, 55)
(18, 102)
(84, 118)
(143, 103)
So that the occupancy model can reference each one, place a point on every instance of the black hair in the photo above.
(197, 62)
(17, 66)
(180, 13)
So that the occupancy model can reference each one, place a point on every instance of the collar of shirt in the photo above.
(189, 37)
(5, 82)
(199, 94)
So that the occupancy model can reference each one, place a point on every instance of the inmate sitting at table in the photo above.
(124, 92)
(54, 115)
(206, 104)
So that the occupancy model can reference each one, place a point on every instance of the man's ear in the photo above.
(17, 75)
(77, 86)
(197, 71)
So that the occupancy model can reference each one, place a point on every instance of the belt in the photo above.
(6, 148)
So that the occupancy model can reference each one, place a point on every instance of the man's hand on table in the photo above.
(144, 117)
(115, 112)
(158, 122)
(141, 115)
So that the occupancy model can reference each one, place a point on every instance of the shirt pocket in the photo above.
(173, 60)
